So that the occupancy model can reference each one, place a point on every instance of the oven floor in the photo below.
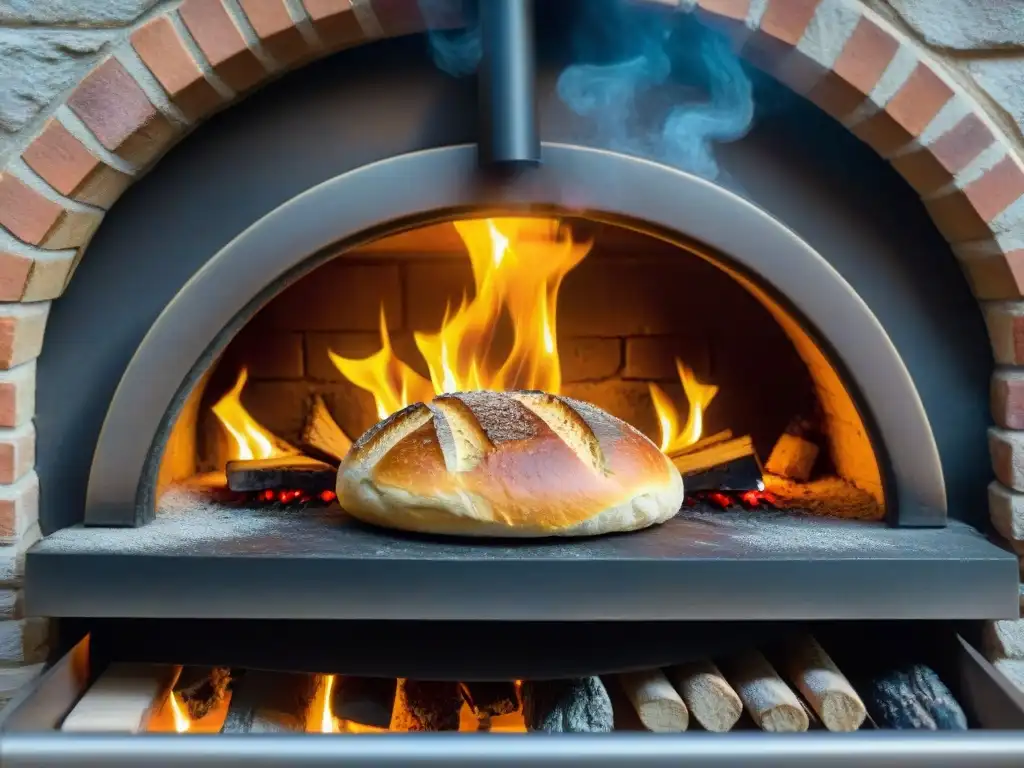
(207, 561)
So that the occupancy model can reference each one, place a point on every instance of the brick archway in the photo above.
(177, 68)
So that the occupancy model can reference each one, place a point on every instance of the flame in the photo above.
(251, 440)
(518, 267)
(698, 395)
(393, 384)
(326, 716)
(182, 722)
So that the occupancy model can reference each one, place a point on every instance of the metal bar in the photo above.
(508, 84)
(752, 750)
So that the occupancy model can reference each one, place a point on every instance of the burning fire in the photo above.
(326, 716)
(250, 439)
(699, 397)
(518, 266)
(182, 722)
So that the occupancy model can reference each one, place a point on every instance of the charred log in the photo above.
(364, 700)
(202, 689)
(299, 473)
(425, 705)
(728, 465)
(581, 705)
(490, 699)
(271, 702)
(913, 698)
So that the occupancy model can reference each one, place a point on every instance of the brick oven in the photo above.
(756, 231)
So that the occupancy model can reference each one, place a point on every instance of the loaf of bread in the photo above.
(508, 464)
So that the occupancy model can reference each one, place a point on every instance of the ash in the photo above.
(185, 516)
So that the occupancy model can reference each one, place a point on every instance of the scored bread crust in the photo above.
(515, 464)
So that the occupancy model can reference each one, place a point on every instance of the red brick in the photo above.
(652, 358)
(1006, 448)
(276, 29)
(786, 20)
(589, 359)
(400, 17)
(25, 213)
(736, 10)
(222, 43)
(1005, 322)
(165, 55)
(115, 108)
(997, 189)
(21, 332)
(17, 452)
(67, 166)
(962, 143)
(857, 70)
(908, 112)
(17, 395)
(267, 354)
(14, 273)
(965, 215)
(19, 508)
(934, 166)
(1007, 392)
(334, 21)
(994, 276)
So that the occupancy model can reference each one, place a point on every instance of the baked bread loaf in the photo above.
(508, 464)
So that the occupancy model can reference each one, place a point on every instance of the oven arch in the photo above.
(365, 202)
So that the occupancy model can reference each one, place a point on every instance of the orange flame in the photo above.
(393, 384)
(182, 722)
(699, 396)
(250, 439)
(326, 716)
(518, 267)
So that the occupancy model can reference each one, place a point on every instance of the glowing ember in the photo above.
(518, 267)
(182, 722)
(699, 396)
(250, 439)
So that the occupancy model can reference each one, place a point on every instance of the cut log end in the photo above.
(708, 696)
(658, 705)
(783, 718)
(841, 712)
(202, 689)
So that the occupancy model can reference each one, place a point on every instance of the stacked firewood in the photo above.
(793, 686)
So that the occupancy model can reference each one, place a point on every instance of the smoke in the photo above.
(628, 59)
(455, 51)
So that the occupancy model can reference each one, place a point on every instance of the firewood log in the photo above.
(770, 702)
(123, 699)
(490, 699)
(322, 433)
(707, 694)
(297, 473)
(913, 698)
(793, 457)
(201, 689)
(825, 688)
(580, 705)
(658, 705)
(271, 702)
(364, 700)
(425, 705)
(730, 465)
(704, 442)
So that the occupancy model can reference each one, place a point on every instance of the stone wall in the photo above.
(93, 92)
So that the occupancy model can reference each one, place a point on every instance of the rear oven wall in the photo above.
(624, 314)
(797, 164)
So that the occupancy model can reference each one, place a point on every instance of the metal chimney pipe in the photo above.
(507, 81)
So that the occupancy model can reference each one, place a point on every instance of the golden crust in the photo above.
(595, 474)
